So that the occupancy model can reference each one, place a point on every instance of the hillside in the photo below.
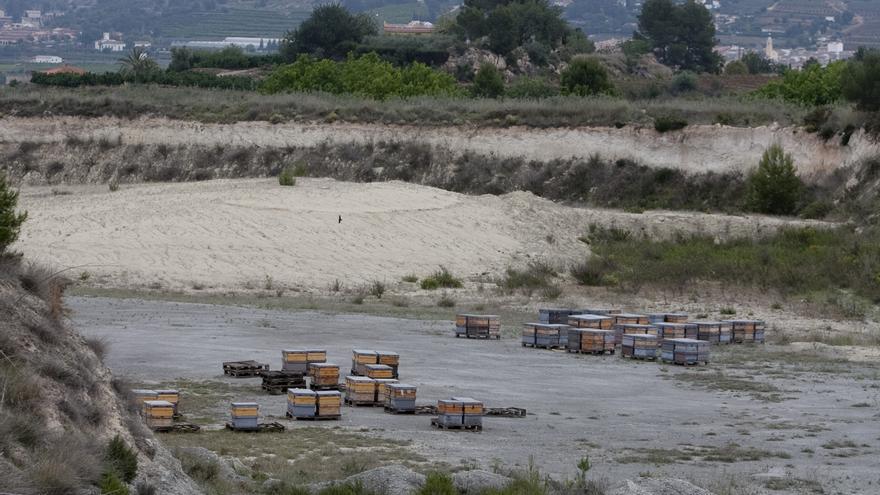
(60, 406)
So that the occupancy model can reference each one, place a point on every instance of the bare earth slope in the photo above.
(236, 233)
(695, 149)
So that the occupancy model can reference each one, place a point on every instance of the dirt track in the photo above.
(604, 407)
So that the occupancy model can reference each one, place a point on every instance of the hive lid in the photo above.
(378, 367)
(363, 351)
(743, 321)
(353, 378)
(664, 324)
(590, 317)
(636, 325)
(642, 336)
(466, 400)
(300, 391)
(400, 385)
(630, 315)
(158, 403)
(323, 365)
(387, 353)
(478, 316)
(709, 322)
(328, 393)
(245, 404)
(294, 351)
(688, 341)
(547, 325)
(386, 380)
(167, 391)
(144, 391)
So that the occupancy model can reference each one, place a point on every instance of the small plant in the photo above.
(728, 311)
(287, 177)
(583, 466)
(438, 484)
(669, 123)
(122, 459)
(113, 185)
(336, 286)
(359, 297)
(442, 278)
(410, 279)
(377, 289)
(10, 221)
(84, 276)
(111, 485)
(446, 301)
(268, 283)
(552, 292)
(775, 188)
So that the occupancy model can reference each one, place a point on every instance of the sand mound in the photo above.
(233, 234)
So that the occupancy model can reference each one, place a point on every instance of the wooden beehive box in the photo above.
(295, 360)
(745, 331)
(400, 397)
(685, 351)
(382, 387)
(391, 359)
(677, 330)
(528, 335)
(641, 346)
(630, 319)
(245, 415)
(472, 411)
(556, 316)
(360, 390)
(479, 326)
(633, 328)
(329, 404)
(591, 321)
(668, 317)
(158, 413)
(601, 311)
(316, 355)
(596, 341)
(546, 335)
(716, 332)
(302, 403)
(170, 395)
(324, 374)
(360, 359)
(142, 395)
(375, 371)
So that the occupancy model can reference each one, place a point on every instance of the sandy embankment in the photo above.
(229, 234)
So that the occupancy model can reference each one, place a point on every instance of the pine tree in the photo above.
(10, 221)
(775, 188)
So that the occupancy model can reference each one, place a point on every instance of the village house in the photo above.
(106, 43)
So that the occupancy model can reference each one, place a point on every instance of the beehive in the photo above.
(591, 321)
(747, 330)
(324, 374)
(143, 395)
(382, 388)
(591, 340)
(676, 330)
(158, 413)
(641, 346)
(716, 332)
(478, 326)
(245, 415)
(472, 411)
(557, 316)
(302, 403)
(360, 390)
(170, 395)
(685, 351)
(400, 397)
(391, 359)
(360, 359)
(602, 311)
(329, 404)
(546, 335)
(375, 371)
(528, 335)
(630, 319)
(316, 355)
(632, 328)
(668, 317)
(295, 360)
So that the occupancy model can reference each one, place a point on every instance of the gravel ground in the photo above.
(823, 426)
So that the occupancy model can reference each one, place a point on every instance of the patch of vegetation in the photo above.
(775, 188)
(377, 289)
(437, 483)
(668, 123)
(10, 219)
(536, 275)
(122, 459)
(728, 453)
(442, 278)
(721, 382)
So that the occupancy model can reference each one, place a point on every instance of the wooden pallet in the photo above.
(506, 412)
(474, 428)
(327, 387)
(178, 428)
(261, 428)
(480, 337)
(243, 369)
(279, 389)
(362, 403)
(391, 410)
(592, 353)
(695, 363)
(641, 358)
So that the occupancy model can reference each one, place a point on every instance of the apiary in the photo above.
(400, 397)
(159, 413)
(295, 360)
(676, 330)
(391, 359)
(302, 403)
(169, 395)
(459, 413)
(685, 351)
(329, 404)
(545, 335)
(591, 321)
(478, 326)
(715, 332)
(747, 330)
(245, 415)
(382, 388)
(590, 341)
(668, 317)
(360, 390)
(556, 316)
(143, 395)
(632, 328)
(360, 358)
(376, 371)
(324, 375)
(639, 346)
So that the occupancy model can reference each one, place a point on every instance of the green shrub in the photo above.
(446, 301)
(437, 483)
(10, 220)
(684, 82)
(377, 289)
(122, 459)
(531, 88)
(811, 86)
(441, 278)
(111, 485)
(668, 123)
(586, 76)
(817, 210)
(859, 81)
(488, 83)
(736, 68)
(410, 279)
(590, 273)
(536, 275)
(287, 177)
(774, 188)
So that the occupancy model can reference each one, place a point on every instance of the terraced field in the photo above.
(231, 22)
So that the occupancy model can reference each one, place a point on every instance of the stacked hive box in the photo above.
(302, 403)
(360, 390)
(602, 312)
(391, 359)
(400, 397)
(557, 316)
(143, 395)
(591, 321)
(590, 341)
(329, 404)
(640, 346)
(668, 317)
(172, 396)
(685, 351)
(677, 330)
(298, 360)
(715, 332)
(158, 413)
(747, 330)
(360, 359)
(245, 415)
(546, 335)
(632, 328)
(473, 411)
(324, 375)
(460, 412)
(277, 382)
(478, 326)
(382, 388)
(376, 371)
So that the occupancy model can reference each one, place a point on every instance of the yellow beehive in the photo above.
(329, 403)
(143, 395)
(245, 409)
(450, 407)
(316, 356)
(172, 396)
(377, 371)
(365, 357)
(388, 358)
(591, 321)
(324, 374)
(401, 391)
(295, 356)
(159, 413)
(470, 406)
(381, 387)
(301, 397)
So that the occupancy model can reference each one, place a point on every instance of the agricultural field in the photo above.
(230, 22)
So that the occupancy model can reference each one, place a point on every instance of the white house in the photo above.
(106, 43)
(47, 59)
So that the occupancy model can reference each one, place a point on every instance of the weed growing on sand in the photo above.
(536, 275)
(336, 286)
(437, 483)
(446, 301)
(376, 289)
(122, 459)
(442, 278)
(411, 279)
(287, 177)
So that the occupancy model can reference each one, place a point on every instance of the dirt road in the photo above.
(800, 417)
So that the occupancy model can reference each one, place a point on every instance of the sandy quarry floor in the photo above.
(237, 234)
(807, 418)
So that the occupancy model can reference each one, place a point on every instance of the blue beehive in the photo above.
(245, 415)
(301, 403)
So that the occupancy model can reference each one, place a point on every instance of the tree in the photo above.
(585, 76)
(488, 82)
(860, 81)
(137, 63)
(10, 221)
(681, 36)
(811, 86)
(331, 31)
(509, 24)
(736, 68)
(758, 63)
(774, 188)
